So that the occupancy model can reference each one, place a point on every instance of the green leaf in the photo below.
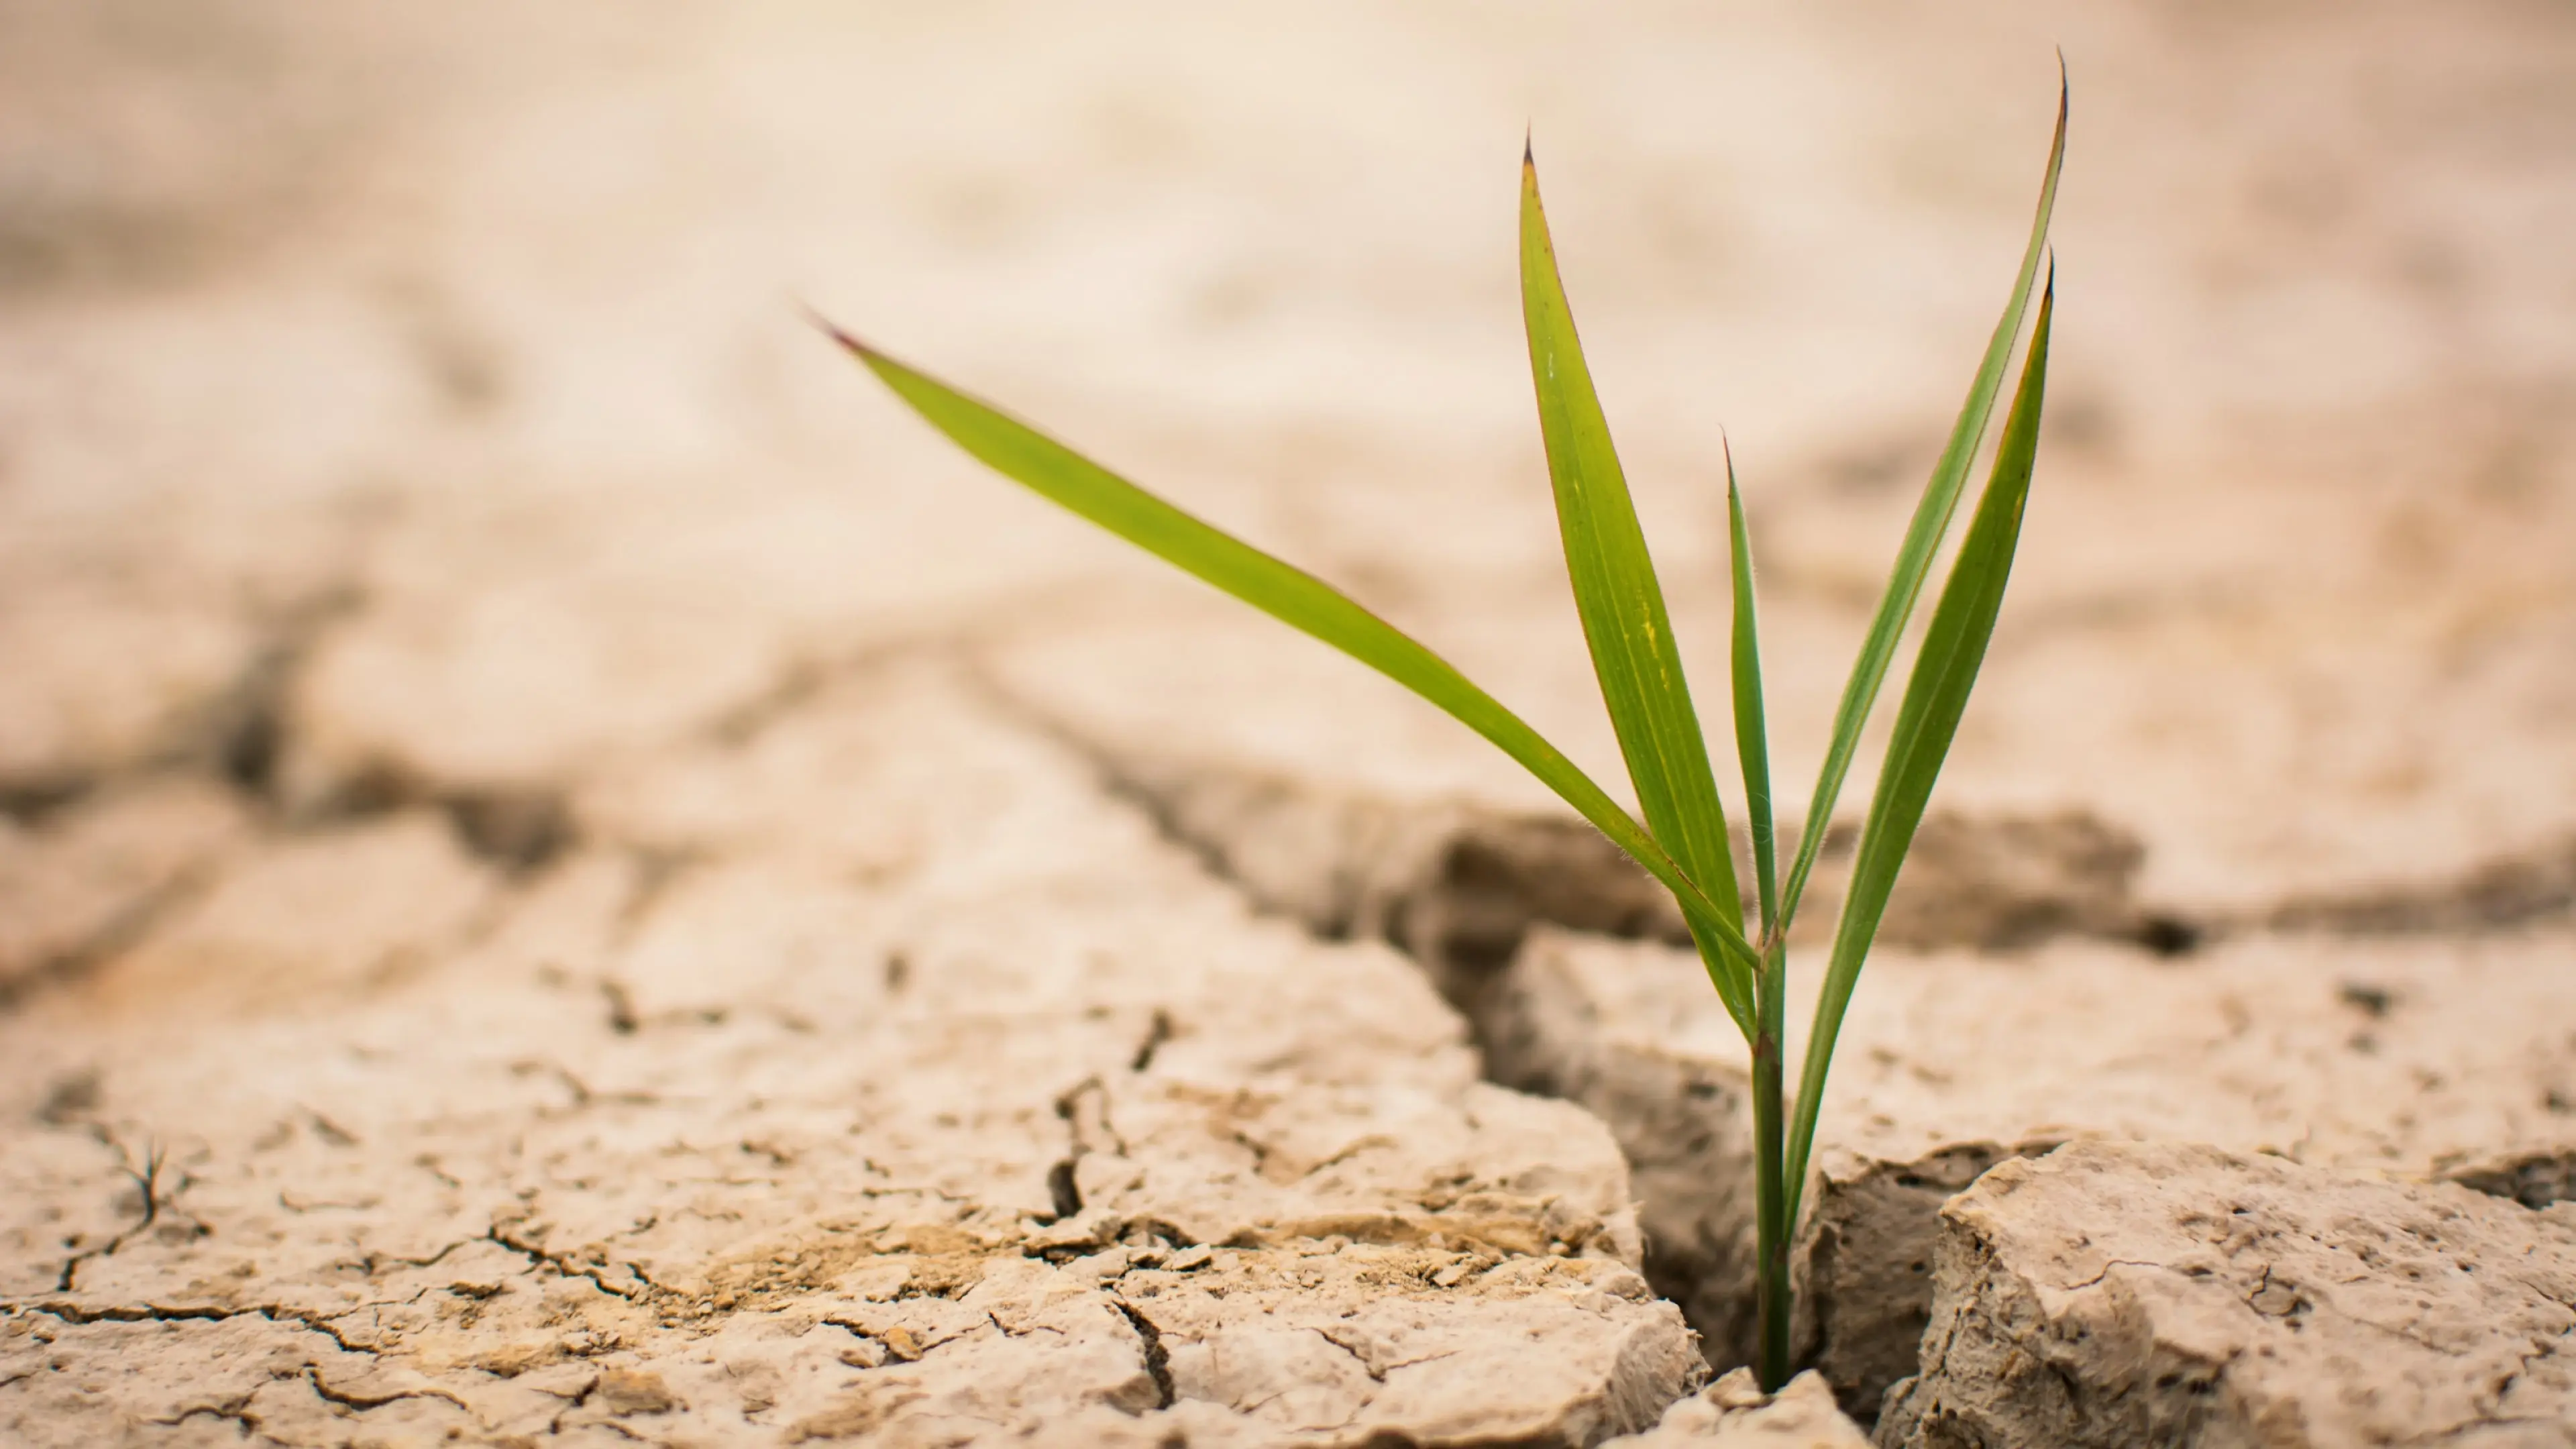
(1922, 541)
(1284, 592)
(1622, 607)
(1752, 736)
(1954, 647)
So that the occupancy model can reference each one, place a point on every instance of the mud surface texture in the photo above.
(2418, 1059)
(568, 874)
(1735, 1412)
(2122, 1294)
(742, 1135)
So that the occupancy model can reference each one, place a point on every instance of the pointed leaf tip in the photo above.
(1927, 720)
(840, 335)
(1626, 625)
(1923, 535)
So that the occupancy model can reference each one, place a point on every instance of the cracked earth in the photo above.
(568, 876)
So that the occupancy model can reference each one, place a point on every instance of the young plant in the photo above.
(1683, 840)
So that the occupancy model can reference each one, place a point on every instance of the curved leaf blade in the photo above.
(1922, 540)
(1625, 623)
(1277, 588)
(1954, 648)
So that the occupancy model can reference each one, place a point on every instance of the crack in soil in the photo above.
(235, 1410)
(147, 1183)
(1063, 1187)
(1376, 1375)
(1158, 1360)
(1157, 1034)
(248, 734)
(2475, 900)
(2509, 889)
(1460, 904)
(568, 1266)
(234, 731)
(1463, 893)
(199, 1313)
(350, 1399)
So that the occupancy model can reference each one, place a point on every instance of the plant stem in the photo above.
(1770, 1180)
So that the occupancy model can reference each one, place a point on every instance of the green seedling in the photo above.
(1683, 840)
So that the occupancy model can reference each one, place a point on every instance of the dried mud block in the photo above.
(2148, 1294)
(616, 612)
(874, 1075)
(89, 877)
(304, 919)
(2417, 1058)
(508, 691)
(1734, 1411)
(104, 681)
(1234, 1347)
(193, 1380)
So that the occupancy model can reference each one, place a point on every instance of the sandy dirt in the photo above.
(568, 872)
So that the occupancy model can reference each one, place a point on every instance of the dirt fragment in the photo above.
(87, 882)
(634, 1391)
(2148, 1294)
(1735, 1411)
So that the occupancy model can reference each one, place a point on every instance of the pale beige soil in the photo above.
(2151, 1295)
(569, 873)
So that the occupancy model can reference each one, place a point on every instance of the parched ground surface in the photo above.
(946, 1123)
(567, 873)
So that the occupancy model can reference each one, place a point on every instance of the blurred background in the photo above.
(407, 403)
